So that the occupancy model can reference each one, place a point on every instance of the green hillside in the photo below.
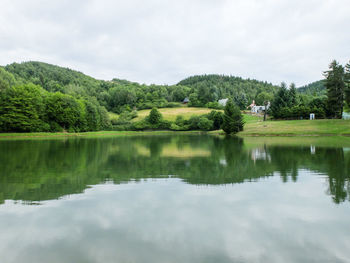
(207, 88)
(316, 89)
(36, 96)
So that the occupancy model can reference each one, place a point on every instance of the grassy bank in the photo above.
(297, 127)
(48, 135)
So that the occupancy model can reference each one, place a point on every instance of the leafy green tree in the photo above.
(6, 79)
(233, 119)
(93, 120)
(262, 97)
(335, 89)
(22, 109)
(65, 111)
(154, 116)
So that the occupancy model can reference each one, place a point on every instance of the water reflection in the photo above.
(38, 170)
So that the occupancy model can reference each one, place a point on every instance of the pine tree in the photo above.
(347, 83)
(280, 101)
(335, 89)
(233, 119)
(292, 95)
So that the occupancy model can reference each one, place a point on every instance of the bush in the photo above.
(217, 117)
(154, 116)
(205, 124)
(214, 105)
(193, 122)
(125, 117)
(180, 120)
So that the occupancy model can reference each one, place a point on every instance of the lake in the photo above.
(175, 198)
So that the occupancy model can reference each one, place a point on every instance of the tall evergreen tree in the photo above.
(233, 119)
(280, 101)
(347, 83)
(335, 89)
(292, 95)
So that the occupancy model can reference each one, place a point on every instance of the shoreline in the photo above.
(164, 132)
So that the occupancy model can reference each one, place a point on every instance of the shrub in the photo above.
(193, 122)
(154, 116)
(205, 124)
(217, 117)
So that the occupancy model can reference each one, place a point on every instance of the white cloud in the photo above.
(165, 41)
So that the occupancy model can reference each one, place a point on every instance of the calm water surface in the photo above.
(173, 199)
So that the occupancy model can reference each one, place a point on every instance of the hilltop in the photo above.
(117, 95)
(316, 89)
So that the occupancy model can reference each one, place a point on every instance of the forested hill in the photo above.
(316, 88)
(36, 96)
(52, 78)
(221, 86)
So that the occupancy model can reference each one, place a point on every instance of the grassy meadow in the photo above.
(170, 114)
(296, 127)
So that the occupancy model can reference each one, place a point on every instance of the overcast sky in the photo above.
(161, 41)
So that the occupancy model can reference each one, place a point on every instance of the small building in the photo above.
(346, 115)
(259, 109)
(222, 102)
(186, 100)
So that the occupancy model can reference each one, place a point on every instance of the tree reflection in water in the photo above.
(37, 170)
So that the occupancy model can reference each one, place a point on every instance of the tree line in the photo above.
(29, 108)
(330, 102)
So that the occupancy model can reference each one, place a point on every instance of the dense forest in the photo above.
(316, 88)
(207, 89)
(37, 96)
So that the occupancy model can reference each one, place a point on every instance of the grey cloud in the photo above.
(164, 41)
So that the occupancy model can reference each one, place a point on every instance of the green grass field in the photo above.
(296, 127)
(170, 114)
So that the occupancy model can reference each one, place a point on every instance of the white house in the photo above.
(259, 109)
(223, 102)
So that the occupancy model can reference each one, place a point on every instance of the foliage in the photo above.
(281, 100)
(214, 105)
(22, 108)
(232, 119)
(154, 116)
(210, 88)
(335, 89)
(347, 84)
(217, 117)
(7, 80)
(262, 97)
(205, 124)
(314, 89)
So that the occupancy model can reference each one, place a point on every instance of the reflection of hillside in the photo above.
(41, 170)
(184, 152)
